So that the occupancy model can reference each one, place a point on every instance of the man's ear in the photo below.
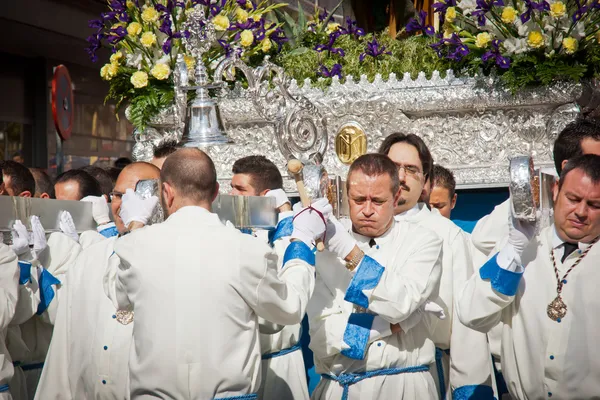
(44, 196)
(555, 191)
(216, 193)
(453, 203)
(264, 192)
(26, 193)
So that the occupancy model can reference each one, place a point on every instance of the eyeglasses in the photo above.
(409, 169)
(115, 195)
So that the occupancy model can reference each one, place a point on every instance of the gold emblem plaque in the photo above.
(350, 143)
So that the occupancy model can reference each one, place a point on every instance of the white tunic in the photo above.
(393, 281)
(89, 353)
(541, 358)
(9, 289)
(469, 362)
(197, 288)
(492, 228)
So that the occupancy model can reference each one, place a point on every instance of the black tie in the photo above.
(372, 243)
(569, 248)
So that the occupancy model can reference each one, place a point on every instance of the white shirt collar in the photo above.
(413, 211)
(379, 240)
(557, 242)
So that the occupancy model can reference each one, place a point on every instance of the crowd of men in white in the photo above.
(401, 304)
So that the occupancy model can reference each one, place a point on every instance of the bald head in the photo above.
(189, 178)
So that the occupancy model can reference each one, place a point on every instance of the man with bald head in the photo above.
(197, 288)
(89, 353)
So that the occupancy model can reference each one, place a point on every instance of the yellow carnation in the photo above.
(558, 9)
(450, 14)
(139, 79)
(535, 40)
(190, 62)
(134, 29)
(509, 15)
(161, 71)
(109, 71)
(246, 38)
(332, 27)
(570, 44)
(241, 15)
(483, 39)
(266, 45)
(150, 15)
(116, 57)
(221, 22)
(148, 39)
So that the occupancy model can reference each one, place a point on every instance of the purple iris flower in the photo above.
(201, 2)
(325, 72)
(581, 10)
(229, 50)
(456, 49)
(216, 8)
(329, 46)
(278, 36)
(96, 24)
(352, 28)
(241, 3)
(118, 5)
(483, 7)
(116, 35)
(323, 15)
(531, 6)
(414, 25)
(443, 6)
(373, 49)
(494, 55)
(95, 42)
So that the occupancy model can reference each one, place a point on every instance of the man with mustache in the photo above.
(544, 289)
(463, 366)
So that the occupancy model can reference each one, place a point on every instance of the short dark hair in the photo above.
(88, 186)
(43, 182)
(417, 143)
(374, 165)
(443, 177)
(21, 180)
(122, 162)
(114, 175)
(165, 149)
(192, 173)
(588, 163)
(102, 176)
(264, 174)
(568, 143)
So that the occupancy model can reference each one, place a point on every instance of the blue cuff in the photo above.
(473, 392)
(357, 335)
(284, 228)
(502, 280)
(24, 272)
(247, 231)
(46, 291)
(367, 277)
(299, 250)
(109, 232)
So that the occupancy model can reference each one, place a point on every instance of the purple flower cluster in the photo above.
(373, 49)
(442, 7)
(483, 7)
(494, 55)
(330, 45)
(336, 70)
(420, 25)
(352, 28)
(534, 6)
(456, 49)
(259, 30)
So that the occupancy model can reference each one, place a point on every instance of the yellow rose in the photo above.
(150, 15)
(241, 15)
(116, 57)
(246, 38)
(509, 15)
(139, 79)
(266, 45)
(148, 39)
(134, 29)
(109, 71)
(221, 22)
(535, 40)
(558, 9)
(570, 44)
(483, 39)
(161, 71)
(450, 14)
(190, 62)
(332, 27)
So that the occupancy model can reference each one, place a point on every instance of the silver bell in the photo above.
(203, 124)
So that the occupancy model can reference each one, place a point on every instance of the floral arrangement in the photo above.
(145, 37)
(527, 42)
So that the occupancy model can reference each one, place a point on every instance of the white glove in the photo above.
(20, 238)
(309, 225)
(433, 308)
(67, 226)
(99, 209)
(38, 235)
(520, 233)
(337, 238)
(134, 208)
(279, 196)
(416, 317)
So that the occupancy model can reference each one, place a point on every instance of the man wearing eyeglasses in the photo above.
(463, 368)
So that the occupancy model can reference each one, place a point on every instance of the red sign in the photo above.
(62, 102)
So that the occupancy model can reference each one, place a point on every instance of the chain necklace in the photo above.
(557, 309)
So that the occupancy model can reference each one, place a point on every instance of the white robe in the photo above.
(468, 368)
(89, 353)
(9, 291)
(492, 228)
(541, 357)
(197, 288)
(407, 266)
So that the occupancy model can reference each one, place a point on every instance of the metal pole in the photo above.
(59, 155)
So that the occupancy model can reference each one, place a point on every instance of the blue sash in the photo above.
(251, 396)
(439, 355)
(3, 388)
(283, 352)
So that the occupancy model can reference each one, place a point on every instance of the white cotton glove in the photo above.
(337, 238)
(99, 209)
(20, 238)
(135, 208)
(38, 235)
(279, 196)
(308, 224)
(67, 226)
(520, 233)
(434, 309)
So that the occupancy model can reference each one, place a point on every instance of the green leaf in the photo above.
(299, 51)
(301, 18)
